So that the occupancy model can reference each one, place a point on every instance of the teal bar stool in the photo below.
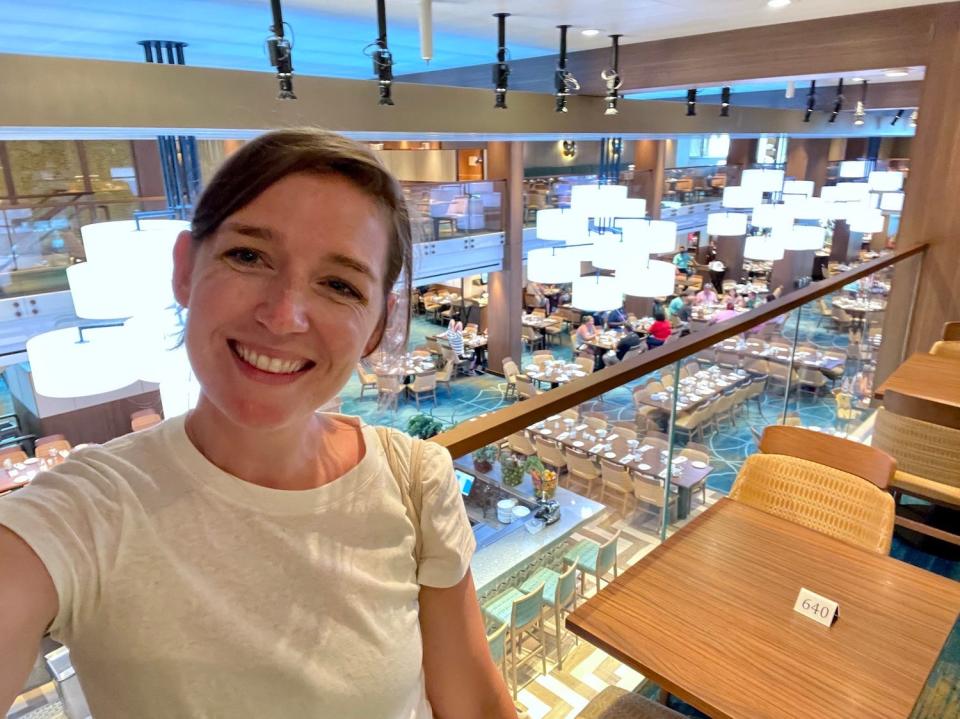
(559, 593)
(498, 650)
(592, 558)
(523, 613)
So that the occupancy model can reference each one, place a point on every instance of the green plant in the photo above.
(424, 426)
(484, 457)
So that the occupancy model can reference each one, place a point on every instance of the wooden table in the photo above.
(709, 616)
(927, 377)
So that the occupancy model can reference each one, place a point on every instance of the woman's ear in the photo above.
(183, 259)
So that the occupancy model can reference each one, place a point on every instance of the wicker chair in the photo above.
(550, 454)
(615, 478)
(368, 379)
(424, 385)
(518, 443)
(583, 468)
(510, 372)
(816, 486)
(616, 703)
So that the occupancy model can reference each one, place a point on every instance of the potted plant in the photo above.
(424, 426)
(512, 468)
(484, 457)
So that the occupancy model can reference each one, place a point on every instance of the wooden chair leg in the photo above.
(556, 618)
(543, 642)
(513, 660)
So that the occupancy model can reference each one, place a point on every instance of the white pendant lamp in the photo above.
(631, 207)
(552, 265)
(891, 201)
(597, 200)
(738, 197)
(654, 236)
(760, 247)
(561, 226)
(763, 180)
(890, 181)
(853, 191)
(179, 390)
(155, 343)
(798, 187)
(767, 215)
(611, 252)
(596, 294)
(63, 366)
(656, 278)
(853, 168)
(867, 221)
(808, 208)
(726, 223)
(800, 237)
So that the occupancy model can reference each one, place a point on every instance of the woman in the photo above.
(659, 331)
(254, 557)
(707, 296)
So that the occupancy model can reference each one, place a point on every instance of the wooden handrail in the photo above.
(479, 431)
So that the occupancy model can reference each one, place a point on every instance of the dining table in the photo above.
(932, 379)
(639, 456)
(554, 372)
(709, 616)
(704, 385)
(406, 366)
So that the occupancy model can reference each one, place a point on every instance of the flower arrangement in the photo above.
(484, 457)
(545, 483)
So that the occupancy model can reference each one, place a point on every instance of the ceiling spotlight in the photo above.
(838, 103)
(692, 102)
(811, 100)
(913, 118)
(426, 30)
(590, 33)
(791, 90)
(725, 102)
(860, 114)
(896, 118)
(611, 76)
(382, 58)
(564, 83)
(776, 4)
(501, 70)
(280, 51)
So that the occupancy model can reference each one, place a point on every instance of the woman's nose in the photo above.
(284, 311)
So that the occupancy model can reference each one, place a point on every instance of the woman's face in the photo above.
(284, 299)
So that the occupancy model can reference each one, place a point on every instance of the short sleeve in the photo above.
(447, 539)
(69, 518)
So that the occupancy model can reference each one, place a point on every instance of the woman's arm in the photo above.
(462, 680)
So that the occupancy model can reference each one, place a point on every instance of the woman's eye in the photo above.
(243, 256)
(342, 288)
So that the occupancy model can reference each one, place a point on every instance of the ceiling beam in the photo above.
(837, 45)
(91, 98)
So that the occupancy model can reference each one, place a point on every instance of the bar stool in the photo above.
(592, 558)
(559, 592)
(498, 650)
(523, 613)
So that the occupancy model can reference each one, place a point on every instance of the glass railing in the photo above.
(652, 441)
(693, 185)
(442, 211)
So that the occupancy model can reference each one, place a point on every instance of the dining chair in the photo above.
(531, 337)
(553, 331)
(623, 429)
(595, 559)
(828, 484)
(424, 384)
(690, 423)
(525, 388)
(519, 443)
(927, 451)
(945, 348)
(510, 372)
(583, 468)
(657, 440)
(444, 374)
(389, 389)
(615, 478)
(811, 378)
(460, 364)
(368, 379)
(541, 357)
(615, 703)
(523, 613)
(51, 443)
(14, 455)
(572, 413)
(698, 453)
(559, 594)
(539, 312)
(550, 454)
(723, 408)
(586, 364)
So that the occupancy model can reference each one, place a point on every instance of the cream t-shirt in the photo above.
(187, 592)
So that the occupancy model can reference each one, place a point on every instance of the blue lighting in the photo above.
(231, 35)
(681, 93)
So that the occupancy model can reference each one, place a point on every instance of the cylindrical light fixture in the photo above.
(611, 252)
(891, 201)
(890, 181)
(800, 237)
(550, 265)
(596, 294)
(655, 236)
(763, 180)
(768, 216)
(798, 187)
(853, 191)
(561, 225)
(63, 366)
(726, 224)
(631, 207)
(762, 248)
(808, 208)
(853, 168)
(426, 30)
(738, 197)
(866, 221)
(655, 279)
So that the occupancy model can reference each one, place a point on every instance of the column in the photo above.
(505, 162)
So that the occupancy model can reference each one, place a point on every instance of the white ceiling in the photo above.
(533, 22)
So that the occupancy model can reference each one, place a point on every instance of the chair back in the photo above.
(549, 452)
(426, 382)
(593, 422)
(580, 465)
(566, 587)
(924, 449)
(951, 332)
(14, 454)
(656, 442)
(444, 373)
(434, 347)
(519, 443)
(648, 491)
(943, 348)
(526, 609)
(696, 452)
(525, 388)
(607, 556)
(55, 443)
(510, 369)
(388, 383)
(854, 458)
(616, 476)
(625, 432)
(585, 364)
(819, 497)
(497, 642)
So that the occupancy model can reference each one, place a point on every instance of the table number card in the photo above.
(819, 609)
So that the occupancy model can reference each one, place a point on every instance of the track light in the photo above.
(725, 102)
(692, 102)
(860, 114)
(382, 57)
(811, 100)
(896, 118)
(838, 103)
(280, 51)
(426, 30)
(564, 82)
(501, 70)
(913, 118)
(611, 76)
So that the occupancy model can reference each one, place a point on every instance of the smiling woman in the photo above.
(256, 557)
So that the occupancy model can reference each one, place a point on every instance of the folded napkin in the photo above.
(612, 437)
(596, 449)
(563, 435)
(626, 458)
(645, 447)
(580, 427)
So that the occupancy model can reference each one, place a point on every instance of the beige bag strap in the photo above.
(407, 478)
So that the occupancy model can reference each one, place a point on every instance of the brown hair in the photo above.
(269, 158)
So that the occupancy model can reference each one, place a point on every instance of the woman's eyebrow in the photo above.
(254, 231)
(351, 263)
